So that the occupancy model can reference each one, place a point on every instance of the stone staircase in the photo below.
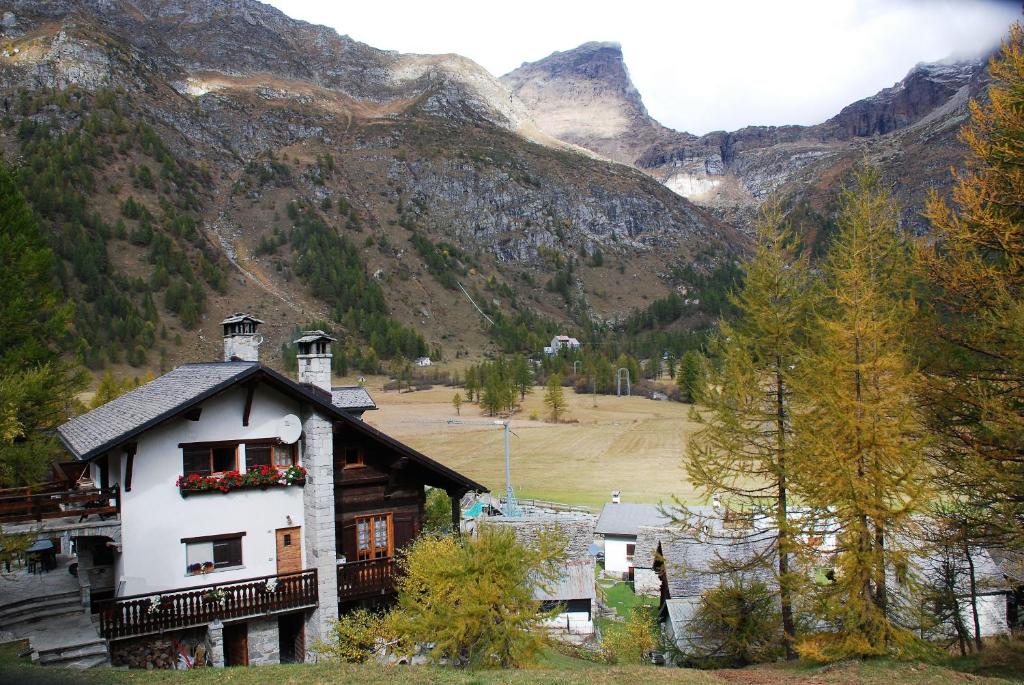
(23, 614)
(60, 632)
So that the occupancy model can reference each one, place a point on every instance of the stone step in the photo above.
(88, 662)
(29, 618)
(17, 613)
(13, 606)
(63, 655)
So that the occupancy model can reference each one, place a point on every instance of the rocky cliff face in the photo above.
(383, 147)
(584, 96)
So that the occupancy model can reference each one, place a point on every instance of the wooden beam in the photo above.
(456, 514)
(129, 449)
(250, 390)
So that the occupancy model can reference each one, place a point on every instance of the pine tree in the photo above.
(457, 403)
(471, 598)
(37, 386)
(522, 376)
(554, 398)
(975, 390)
(693, 376)
(742, 450)
(861, 439)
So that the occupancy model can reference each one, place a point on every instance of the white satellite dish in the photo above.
(289, 429)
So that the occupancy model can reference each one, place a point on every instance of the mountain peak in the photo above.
(591, 79)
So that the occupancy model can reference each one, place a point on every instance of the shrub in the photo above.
(633, 641)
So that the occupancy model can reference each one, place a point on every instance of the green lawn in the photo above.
(620, 596)
(999, 665)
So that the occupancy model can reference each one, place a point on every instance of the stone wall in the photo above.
(646, 582)
(577, 527)
(264, 645)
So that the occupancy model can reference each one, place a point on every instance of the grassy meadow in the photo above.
(631, 444)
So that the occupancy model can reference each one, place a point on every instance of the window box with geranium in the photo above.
(262, 476)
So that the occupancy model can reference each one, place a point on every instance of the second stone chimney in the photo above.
(241, 342)
(314, 358)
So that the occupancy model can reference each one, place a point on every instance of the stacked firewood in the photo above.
(149, 654)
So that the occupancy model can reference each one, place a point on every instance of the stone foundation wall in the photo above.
(578, 529)
(264, 643)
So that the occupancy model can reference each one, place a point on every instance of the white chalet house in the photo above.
(252, 506)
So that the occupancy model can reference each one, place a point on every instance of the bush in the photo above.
(358, 636)
(633, 641)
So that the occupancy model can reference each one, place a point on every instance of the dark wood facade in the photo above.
(375, 488)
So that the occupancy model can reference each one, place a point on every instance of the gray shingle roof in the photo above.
(120, 420)
(313, 336)
(88, 434)
(352, 397)
(575, 582)
(240, 317)
(1009, 563)
(696, 552)
(626, 519)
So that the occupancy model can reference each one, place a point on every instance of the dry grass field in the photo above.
(631, 444)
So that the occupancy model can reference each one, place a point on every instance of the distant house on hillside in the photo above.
(423, 361)
(619, 524)
(562, 341)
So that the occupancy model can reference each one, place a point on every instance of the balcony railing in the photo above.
(26, 504)
(156, 612)
(364, 579)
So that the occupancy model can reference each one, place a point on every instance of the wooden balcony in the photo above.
(365, 579)
(156, 612)
(19, 505)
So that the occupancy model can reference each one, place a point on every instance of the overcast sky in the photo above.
(700, 65)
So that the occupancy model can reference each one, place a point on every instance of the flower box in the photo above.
(258, 477)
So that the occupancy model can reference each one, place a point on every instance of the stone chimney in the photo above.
(241, 342)
(314, 359)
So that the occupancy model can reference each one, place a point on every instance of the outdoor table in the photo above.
(44, 551)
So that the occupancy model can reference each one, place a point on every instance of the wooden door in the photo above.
(236, 644)
(289, 550)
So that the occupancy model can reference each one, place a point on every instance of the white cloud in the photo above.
(700, 66)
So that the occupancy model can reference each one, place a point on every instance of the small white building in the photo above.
(573, 595)
(423, 361)
(619, 525)
(560, 342)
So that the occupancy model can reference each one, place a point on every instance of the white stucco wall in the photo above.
(615, 553)
(572, 622)
(155, 517)
(991, 615)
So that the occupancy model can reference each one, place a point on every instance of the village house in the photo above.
(573, 597)
(617, 529)
(245, 509)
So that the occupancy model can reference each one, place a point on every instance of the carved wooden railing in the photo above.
(368, 578)
(27, 504)
(156, 612)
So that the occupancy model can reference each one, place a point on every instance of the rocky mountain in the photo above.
(584, 96)
(194, 157)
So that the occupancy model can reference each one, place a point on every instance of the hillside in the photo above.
(308, 176)
(584, 96)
